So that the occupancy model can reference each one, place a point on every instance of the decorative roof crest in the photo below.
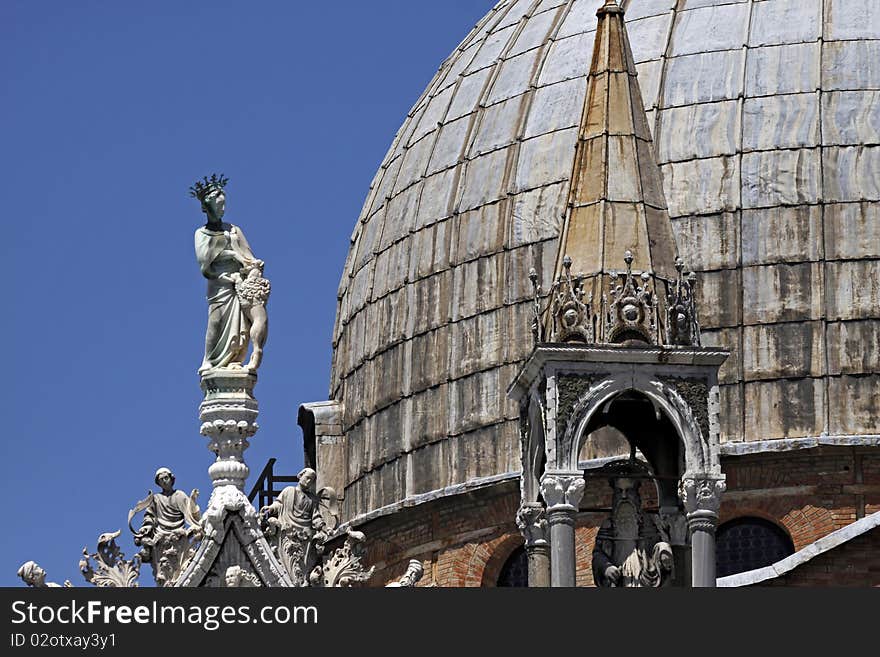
(572, 315)
(634, 305)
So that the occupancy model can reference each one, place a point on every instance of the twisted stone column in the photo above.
(532, 522)
(701, 495)
(562, 491)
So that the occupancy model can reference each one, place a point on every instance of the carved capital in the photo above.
(701, 496)
(532, 522)
(562, 490)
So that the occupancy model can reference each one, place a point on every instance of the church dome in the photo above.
(766, 123)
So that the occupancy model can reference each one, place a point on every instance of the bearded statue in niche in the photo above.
(631, 550)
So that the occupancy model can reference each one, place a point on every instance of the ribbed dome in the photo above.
(766, 121)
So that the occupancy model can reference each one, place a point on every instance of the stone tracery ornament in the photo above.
(107, 566)
(343, 567)
(531, 520)
(702, 494)
(297, 524)
(35, 577)
(571, 308)
(631, 312)
(631, 549)
(171, 528)
(682, 327)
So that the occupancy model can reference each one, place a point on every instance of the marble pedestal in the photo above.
(231, 524)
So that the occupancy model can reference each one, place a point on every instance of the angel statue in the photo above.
(237, 291)
(170, 530)
(299, 521)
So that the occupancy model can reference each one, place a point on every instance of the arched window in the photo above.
(748, 543)
(515, 571)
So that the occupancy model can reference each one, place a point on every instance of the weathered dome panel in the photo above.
(766, 118)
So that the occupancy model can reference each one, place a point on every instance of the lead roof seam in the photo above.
(604, 209)
(562, 12)
(740, 329)
(633, 79)
(573, 180)
(822, 197)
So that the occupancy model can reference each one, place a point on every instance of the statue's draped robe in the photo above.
(223, 251)
(170, 512)
(299, 517)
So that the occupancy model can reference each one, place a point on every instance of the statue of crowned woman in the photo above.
(237, 291)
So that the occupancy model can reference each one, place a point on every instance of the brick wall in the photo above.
(809, 494)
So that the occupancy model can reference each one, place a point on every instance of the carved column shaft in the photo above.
(702, 500)
(563, 493)
(532, 522)
(228, 414)
(702, 527)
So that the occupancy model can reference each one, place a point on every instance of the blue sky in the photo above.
(108, 112)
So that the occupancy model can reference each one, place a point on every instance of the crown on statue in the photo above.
(207, 185)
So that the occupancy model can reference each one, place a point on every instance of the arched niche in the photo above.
(652, 416)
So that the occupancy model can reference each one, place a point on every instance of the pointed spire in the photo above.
(616, 232)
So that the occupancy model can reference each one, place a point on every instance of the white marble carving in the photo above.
(170, 531)
(237, 291)
(34, 576)
(107, 566)
(413, 574)
(297, 524)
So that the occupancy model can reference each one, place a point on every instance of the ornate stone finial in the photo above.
(413, 574)
(610, 7)
(682, 327)
(631, 314)
(537, 326)
(35, 577)
(572, 316)
(170, 531)
(110, 568)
